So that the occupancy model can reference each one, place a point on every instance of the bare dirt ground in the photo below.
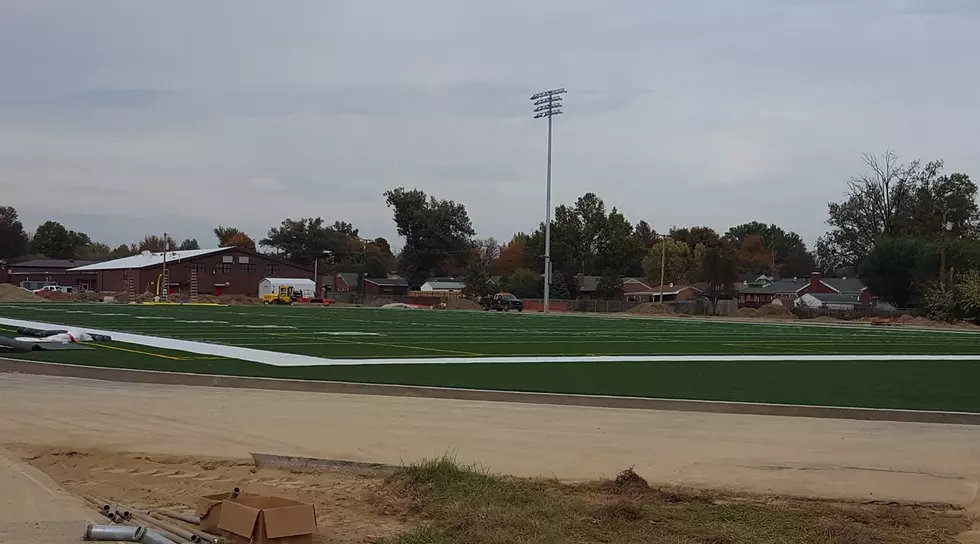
(913, 462)
(33, 509)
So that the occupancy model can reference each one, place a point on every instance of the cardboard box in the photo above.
(257, 519)
(208, 508)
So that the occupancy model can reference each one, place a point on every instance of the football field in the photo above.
(793, 363)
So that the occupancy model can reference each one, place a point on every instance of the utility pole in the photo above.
(547, 104)
(663, 266)
(947, 226)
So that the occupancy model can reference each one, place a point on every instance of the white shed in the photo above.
(304, 287)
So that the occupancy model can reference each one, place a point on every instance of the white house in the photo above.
(443, 286)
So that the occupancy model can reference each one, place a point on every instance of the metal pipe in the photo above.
(122, 511)
(189, 518)
(113, 532)
(201, 535)
(153, 537)
(173, 533)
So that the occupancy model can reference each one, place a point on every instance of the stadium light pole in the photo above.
(547, 104)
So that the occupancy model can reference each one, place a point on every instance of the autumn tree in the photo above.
(512, 255)
(753, 255)
(233, 237)
(791, 254)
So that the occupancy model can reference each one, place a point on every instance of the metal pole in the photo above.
(547, 229)
(663, 266)
(163, 274)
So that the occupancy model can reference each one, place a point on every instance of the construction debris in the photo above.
(237, 516)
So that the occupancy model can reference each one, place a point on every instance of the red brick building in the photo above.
(754, 297)
(220, 271)
(39, 272)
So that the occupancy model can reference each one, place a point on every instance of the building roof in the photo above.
(754, 278)
(778, 287)
(440, 285)
(387, 282)
(833, 297)
(147, 259)
(845, 285)
(350, 278)
(668, 290)
(52, 263)
(289, 280)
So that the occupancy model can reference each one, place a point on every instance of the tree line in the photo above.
(908, 229)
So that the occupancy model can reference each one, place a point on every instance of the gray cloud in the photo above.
(120, 118)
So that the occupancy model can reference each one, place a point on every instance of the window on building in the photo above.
(272, 269)
(243, 260)
(197, 266)
(222, 268)
(248, 269)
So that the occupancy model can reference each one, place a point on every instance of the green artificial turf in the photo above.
(931, 385)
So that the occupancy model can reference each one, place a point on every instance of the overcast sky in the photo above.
(120, 118)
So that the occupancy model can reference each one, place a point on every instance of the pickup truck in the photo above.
(54, 288)
(502, 302)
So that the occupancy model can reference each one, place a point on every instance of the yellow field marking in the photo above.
(172, 358)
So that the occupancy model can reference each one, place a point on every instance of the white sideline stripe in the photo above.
(292, 359)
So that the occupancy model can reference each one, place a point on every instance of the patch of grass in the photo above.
(459, 504)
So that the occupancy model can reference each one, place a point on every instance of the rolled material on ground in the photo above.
(114, 532)
(40, 333)
(122, 533)
(44, 333)
(17, 346)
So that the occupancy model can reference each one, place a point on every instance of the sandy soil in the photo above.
(345, 501)
(33, 509)
(797, 456)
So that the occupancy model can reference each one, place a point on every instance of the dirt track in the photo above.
(799, 456)
(33, 509)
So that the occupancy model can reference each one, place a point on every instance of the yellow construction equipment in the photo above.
(284, 296)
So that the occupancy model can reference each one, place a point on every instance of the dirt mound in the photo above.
(825, 319)
(55, 296)
(236, 300)
(628, 481)
(87, 296)
(461, 304)
(771, 310)
(745, 312)
(12, 293)
(651, 308)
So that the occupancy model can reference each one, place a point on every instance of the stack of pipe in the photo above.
(145, 526)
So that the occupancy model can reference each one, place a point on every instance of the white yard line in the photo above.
(292, 359)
